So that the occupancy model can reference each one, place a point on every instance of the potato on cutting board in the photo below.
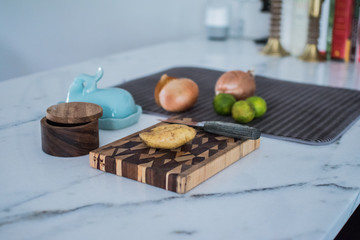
(168, 136)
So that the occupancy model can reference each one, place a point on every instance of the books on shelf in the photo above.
(339, 29)
(343, 34)
(341, 37)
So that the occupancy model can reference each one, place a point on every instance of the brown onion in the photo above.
(162, 82)
(237, 83)
(176, 94)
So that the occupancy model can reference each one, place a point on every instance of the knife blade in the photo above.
(222, 128)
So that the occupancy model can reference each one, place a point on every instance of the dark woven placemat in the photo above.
(296, 112)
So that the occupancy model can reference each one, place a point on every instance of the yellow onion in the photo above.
(237, 83)
(176, 94)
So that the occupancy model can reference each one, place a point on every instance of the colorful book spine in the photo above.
(354, 34)
(358, 41)
(324, 23)
(341, 37)
(330, 29)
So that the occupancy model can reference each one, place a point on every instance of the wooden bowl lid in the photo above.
(74, 112)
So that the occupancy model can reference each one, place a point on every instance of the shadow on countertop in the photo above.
(351, 229)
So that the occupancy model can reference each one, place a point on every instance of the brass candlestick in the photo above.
(273, 46)
(311, 52)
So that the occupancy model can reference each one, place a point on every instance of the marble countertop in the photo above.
(283, 190)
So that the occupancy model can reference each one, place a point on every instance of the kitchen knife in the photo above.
(222, 128)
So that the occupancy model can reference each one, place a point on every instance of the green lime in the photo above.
(258, 104)
(223, 102)
(242, 112)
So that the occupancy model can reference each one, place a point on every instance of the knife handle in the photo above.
(232, 130)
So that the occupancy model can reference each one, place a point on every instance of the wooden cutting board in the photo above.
(178, 170)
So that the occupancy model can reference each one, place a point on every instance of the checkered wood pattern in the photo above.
(177, 170)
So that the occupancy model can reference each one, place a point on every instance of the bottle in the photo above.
(299, 26)
(286, 20)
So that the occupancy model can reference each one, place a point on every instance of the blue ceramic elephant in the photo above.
(119, 109)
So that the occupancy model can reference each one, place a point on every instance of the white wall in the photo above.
(37, 35)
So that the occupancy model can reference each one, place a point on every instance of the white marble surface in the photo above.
(281, 191)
